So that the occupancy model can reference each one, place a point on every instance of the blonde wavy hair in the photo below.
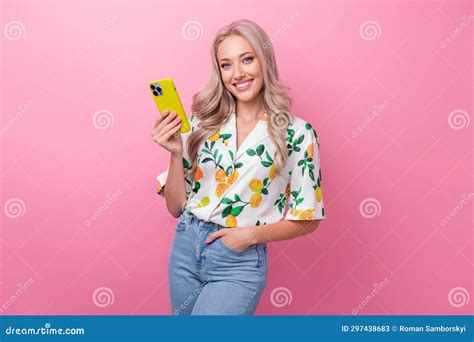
(214, 102)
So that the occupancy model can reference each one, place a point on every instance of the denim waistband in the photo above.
(191, 218)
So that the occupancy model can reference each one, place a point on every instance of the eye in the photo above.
(248, 60)
(225, 65)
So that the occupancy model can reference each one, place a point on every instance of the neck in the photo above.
(249, 110)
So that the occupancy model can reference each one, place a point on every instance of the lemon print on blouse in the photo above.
(273, 172)
(204, 201)
(214, 137)
(256, 186)
(231, 221)
(198, 176)
(224, 181)
(232, 177)
(221, 180)
(318, 193)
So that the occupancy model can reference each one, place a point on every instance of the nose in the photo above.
(239, 72)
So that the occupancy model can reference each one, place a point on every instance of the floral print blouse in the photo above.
(240, 188)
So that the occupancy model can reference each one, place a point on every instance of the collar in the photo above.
(255, 136)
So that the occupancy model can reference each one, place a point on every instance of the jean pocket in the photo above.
(235, 251)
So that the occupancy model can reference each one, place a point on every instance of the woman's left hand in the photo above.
(236, 238)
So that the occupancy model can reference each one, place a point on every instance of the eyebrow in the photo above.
(227, 59)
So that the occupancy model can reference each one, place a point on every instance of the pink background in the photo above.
(412, 160)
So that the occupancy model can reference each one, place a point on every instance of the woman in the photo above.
(230, 179)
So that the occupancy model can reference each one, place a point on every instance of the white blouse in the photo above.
(240, 188)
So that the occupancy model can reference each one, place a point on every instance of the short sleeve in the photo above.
(305, 200)
(161, 178)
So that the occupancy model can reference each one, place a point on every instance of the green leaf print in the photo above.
(251, 152)
(296, 200)
(186, 164)
(280, 203)
(227, 210)
(237, 210)
(227, 200)
(225, 136)
(268, 156)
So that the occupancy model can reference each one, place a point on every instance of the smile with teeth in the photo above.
(244, 85)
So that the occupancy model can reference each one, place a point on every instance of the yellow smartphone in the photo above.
(166, 97)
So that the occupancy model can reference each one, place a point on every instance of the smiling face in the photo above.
(240, 68)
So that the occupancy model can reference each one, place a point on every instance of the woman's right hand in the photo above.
(165, 131)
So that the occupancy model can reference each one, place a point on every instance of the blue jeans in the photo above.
(213, 279)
